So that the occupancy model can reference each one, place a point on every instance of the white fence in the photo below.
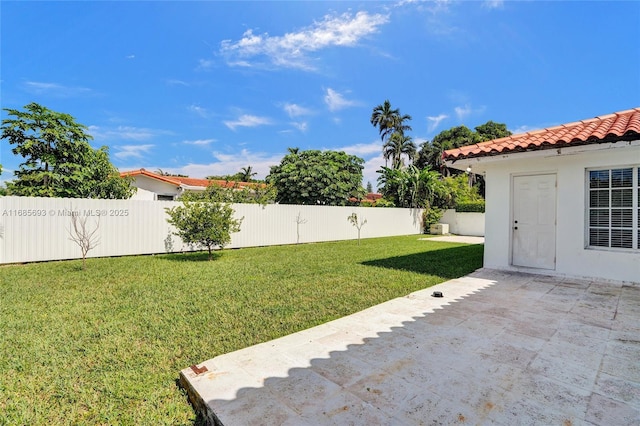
(37, 229)
(471, 224)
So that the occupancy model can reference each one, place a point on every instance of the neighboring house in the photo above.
(152, 186)
(368, 200)
(563, 200)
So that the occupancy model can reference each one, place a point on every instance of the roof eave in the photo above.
(611, 138)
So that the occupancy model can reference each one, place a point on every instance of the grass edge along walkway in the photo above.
(105, 345)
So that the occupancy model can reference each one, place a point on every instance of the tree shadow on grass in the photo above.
(451, 262)
(193, 256)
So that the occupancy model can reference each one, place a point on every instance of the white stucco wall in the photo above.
(148, 185)
(143, 195)
(464, 223)
(569, 165)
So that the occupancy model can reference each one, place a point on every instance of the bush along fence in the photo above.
(40, 229)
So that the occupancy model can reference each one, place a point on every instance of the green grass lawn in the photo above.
(105, 345)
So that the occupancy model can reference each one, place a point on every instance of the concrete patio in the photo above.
(498, 348)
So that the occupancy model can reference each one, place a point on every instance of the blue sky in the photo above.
(203, 88)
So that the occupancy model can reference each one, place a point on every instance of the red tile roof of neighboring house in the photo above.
(143, 172)
(371, 197)
(624, 125)
(180, 180)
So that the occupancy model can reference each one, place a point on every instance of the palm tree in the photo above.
(246, 174)
(388, 120)
(398, 144)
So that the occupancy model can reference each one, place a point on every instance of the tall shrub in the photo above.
(204, 224)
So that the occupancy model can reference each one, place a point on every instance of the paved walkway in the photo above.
(498, 348)
(457, 239)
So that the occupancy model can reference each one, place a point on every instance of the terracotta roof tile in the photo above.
(143, 172)
(614, 127)
(180, 180)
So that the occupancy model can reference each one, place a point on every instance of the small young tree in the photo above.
(204, 224)
(168, 242)
(81, 234)
(299, 221)
(353, 219)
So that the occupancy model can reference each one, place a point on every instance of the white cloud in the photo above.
(300, 125)
(434, 122)
(523, 129)
(294, 110)
(291, 49)
(493, 4)
(6, 175)
(227, 164)
(175, 82)
(132, 151)
(336, 101)
(247, 120)
(362, 149)
(204, 64)
(202, 112)
(55, 89)
(371, 166)
(131, 56)
(199, 142)
(463, 112)
(126, 132)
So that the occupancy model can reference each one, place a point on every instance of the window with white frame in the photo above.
(613, 208)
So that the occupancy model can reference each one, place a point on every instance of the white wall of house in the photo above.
(570, 167)
(149, 188)
(143, 195)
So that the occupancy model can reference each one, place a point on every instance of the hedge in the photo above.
(470, 207)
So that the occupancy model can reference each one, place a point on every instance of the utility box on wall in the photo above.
(439, 229)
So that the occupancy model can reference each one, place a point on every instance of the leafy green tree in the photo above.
(457, 190)
(3, 189)
(431, 152)
(205, 224)
(59, 161)
(256, 193)
(317, 177)
(103, 180)
(492, 130)
(410, 186)
(398, 145)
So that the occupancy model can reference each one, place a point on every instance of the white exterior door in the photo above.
(534, 221)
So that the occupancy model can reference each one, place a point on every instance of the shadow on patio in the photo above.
(498, 348)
